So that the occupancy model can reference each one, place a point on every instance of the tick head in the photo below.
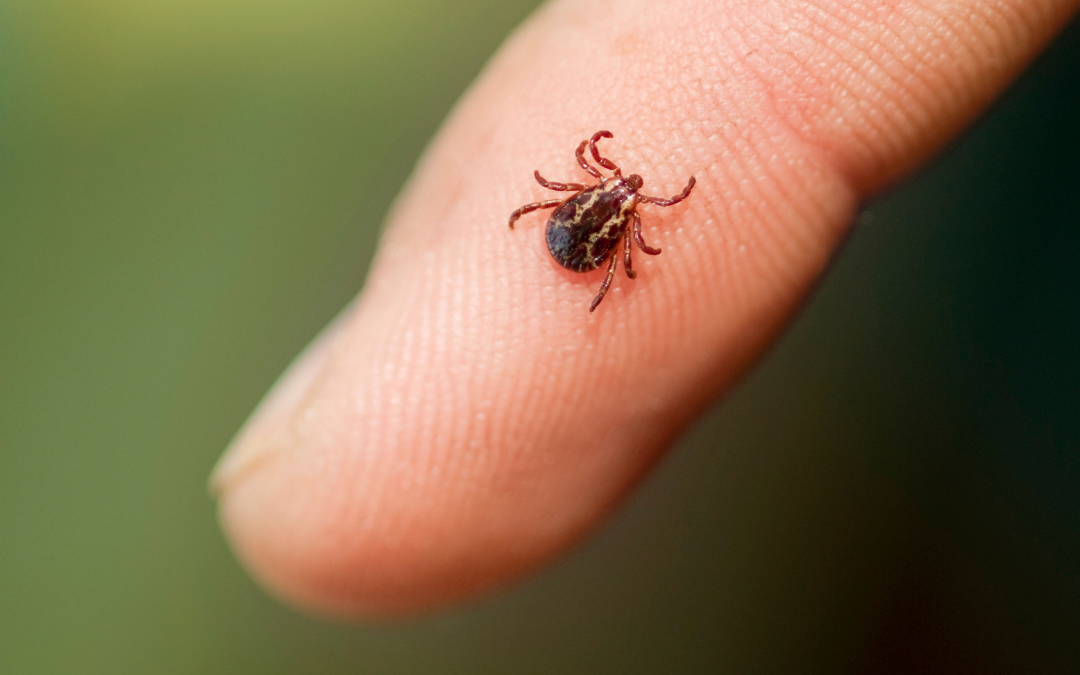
(634, 181)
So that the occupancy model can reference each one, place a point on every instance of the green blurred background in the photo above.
(190, 190)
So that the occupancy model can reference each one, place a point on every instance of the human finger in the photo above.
(471, 418)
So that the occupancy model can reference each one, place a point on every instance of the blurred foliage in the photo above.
(190, 190)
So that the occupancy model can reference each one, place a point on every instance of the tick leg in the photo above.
(529, 208)
(626, 258)
(639, 239)
(607, 282)
(602, 161)
(673, 200)
(580, 154)
(552, 185)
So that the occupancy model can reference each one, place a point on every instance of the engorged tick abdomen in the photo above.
(584, 229)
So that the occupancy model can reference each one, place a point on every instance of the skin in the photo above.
(467, 418)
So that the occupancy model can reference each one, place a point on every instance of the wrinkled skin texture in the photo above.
(468, 419)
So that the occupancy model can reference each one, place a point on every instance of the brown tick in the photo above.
(587, 227)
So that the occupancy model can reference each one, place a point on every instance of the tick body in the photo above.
(586, 229)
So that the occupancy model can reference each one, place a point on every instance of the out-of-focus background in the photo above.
(190, 190)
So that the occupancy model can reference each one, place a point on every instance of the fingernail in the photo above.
(252, 446)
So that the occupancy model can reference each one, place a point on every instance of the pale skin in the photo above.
(469, 419)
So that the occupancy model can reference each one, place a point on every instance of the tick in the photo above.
(587, 227)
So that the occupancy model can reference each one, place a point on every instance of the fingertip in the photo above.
(474, 420)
